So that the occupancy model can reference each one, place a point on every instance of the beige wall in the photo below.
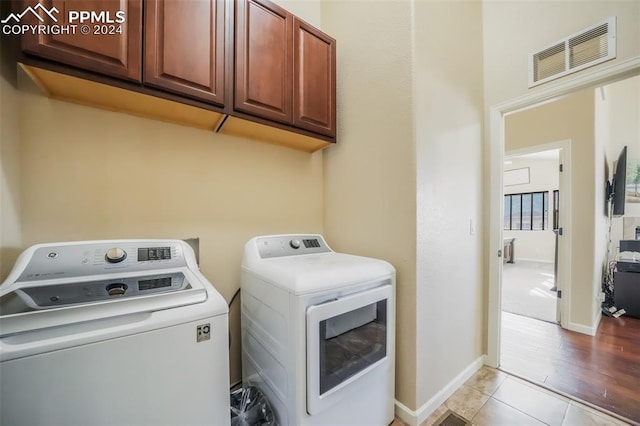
(448, 137)
(544, 175)
(569, 118)
(309, 10)
(369, 176)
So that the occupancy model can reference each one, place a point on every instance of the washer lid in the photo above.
(319, 272)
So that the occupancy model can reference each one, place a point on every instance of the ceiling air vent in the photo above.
(589, 47)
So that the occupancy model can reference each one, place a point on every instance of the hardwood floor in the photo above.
(603, 370)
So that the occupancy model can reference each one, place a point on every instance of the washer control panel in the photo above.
(50, 261)
(291, 245)
(53, 296)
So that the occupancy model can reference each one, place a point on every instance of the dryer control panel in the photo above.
(291, 245)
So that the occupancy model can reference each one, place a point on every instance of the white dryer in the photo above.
(124, 332)
(318, 331)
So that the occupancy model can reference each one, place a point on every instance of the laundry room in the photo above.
(72, 172)
(404, 179)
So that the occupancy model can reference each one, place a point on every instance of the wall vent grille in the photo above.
(584, 49)
(549, 62)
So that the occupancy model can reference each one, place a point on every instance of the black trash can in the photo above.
(249, 407)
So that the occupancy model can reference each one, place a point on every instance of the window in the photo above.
(527, 211)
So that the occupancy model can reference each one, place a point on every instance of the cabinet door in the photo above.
(109, 47)
(184, 47)
(264, 60)
(314, 73)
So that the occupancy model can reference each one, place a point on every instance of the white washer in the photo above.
(318, 331)
(122, 332)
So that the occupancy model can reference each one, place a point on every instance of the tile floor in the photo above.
(494, 398)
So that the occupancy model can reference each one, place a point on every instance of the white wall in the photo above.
(515, 29)
(617, 125)
(603, 251)
(448, 137)
(621, 107)
(544, 176)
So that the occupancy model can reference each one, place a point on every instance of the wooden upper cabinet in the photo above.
(185, 47)
(264, 60)
(314, 96)
(113, 49)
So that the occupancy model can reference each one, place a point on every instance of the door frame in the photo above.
(563, 278)
(589, 78)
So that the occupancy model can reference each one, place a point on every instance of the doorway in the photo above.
(497, 116)
(531, 229)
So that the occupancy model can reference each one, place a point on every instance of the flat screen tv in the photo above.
(619, 184)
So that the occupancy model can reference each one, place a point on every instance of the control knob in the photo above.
(115, 255)
(116, 289)
(295, 244)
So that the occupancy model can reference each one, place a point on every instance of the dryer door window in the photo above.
(346, 338)
(351, 342)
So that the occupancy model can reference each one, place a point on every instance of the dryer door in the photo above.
(346, 339)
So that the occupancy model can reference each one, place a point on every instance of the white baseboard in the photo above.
(596, 322)
(527, 259)
(415, 418)
(406, 414)
(584, 329)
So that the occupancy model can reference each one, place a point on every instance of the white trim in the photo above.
(415, 418)
(565, 265)
(406, 414)
(604, 73)
(587, 79)
(496, 241)
(550, 146)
